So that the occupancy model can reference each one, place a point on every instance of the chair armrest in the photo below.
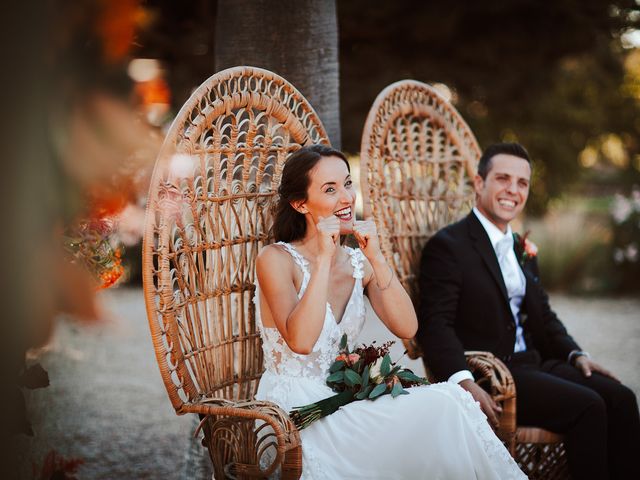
(495, 376)
(286, 434)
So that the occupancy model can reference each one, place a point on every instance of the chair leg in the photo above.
(292, 465)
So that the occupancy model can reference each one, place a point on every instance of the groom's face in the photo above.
(503, 194)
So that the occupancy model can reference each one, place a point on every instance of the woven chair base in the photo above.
(235, 449)
(541, 454)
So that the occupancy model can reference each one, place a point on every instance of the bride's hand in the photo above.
(329, 235)
(366, 234)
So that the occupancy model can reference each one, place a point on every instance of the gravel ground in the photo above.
(107, 404)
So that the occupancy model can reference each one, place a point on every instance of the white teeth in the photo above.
(507, 203)
(345, 212)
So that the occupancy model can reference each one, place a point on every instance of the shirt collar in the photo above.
(495, 235)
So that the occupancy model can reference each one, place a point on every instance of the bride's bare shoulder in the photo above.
(273, 256)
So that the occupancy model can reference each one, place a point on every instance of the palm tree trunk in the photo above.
(297, 39)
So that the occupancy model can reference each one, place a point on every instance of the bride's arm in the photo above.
(298, 321)
(388, 297)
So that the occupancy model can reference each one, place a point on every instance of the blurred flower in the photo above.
(621, 208)
(89, 243)
(116, 26)
(182, 166)
(353, 358)
(155, 98)
(130, 225)
(631, 252)
(635, 198)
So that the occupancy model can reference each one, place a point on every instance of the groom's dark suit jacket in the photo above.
(464, 303)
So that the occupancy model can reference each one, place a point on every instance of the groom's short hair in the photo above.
(515, 149)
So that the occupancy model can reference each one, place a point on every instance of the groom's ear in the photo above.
(478, 183)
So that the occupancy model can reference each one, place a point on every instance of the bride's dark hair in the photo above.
(289, 224)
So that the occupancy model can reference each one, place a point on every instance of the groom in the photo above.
(480, 290)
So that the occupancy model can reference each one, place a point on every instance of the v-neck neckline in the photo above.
(353, 288)
(346, 307)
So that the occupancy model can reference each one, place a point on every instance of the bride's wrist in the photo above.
(323, 261)
(378, 262)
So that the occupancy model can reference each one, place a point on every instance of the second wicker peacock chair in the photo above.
(208, 214)
(418, 161)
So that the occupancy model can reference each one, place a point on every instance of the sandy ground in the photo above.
(107, 404)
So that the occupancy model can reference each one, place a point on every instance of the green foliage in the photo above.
(377, 391)
(625, 252)
(351, 378)
(550, 75)
(590, 245)
(398, 390)
(385, 368)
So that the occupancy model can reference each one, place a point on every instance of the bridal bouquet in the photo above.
(365, 373)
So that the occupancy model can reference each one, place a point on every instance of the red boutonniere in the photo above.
(526, 247)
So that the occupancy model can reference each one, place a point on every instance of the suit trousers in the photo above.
(598, 415)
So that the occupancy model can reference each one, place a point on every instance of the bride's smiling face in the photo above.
(331, 192)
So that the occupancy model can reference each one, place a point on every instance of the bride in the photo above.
(310, 293)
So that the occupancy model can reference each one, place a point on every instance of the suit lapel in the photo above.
(483, 246)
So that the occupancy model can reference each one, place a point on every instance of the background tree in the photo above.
(297, 39)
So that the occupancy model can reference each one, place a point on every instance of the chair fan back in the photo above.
(209, 211)
(418, 160)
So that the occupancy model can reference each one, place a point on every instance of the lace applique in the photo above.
(357, 262)
(279, 359)
(302, 262)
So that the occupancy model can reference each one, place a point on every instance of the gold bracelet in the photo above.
(390, 280)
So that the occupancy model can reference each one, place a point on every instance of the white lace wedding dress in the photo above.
(435, 432)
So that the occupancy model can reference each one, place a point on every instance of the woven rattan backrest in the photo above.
(208, 214)
(418, 159)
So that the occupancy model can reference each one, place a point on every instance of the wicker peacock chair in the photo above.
(208, 214)
(418, 161)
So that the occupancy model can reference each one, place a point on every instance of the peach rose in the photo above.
(353, 358)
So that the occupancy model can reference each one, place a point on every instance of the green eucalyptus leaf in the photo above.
(378, 390)
(411, 377)
(395, 370)
(343, 342)
(365, 376)
(352, 378)
(361, 395)
(336, 377)
(337, 365)
(385, 366)
(396, 390)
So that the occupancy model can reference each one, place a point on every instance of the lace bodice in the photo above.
(279, 359)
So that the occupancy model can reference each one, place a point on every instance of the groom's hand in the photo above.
(490, 408)
(587, 366)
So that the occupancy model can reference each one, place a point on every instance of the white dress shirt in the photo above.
(513, 278)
